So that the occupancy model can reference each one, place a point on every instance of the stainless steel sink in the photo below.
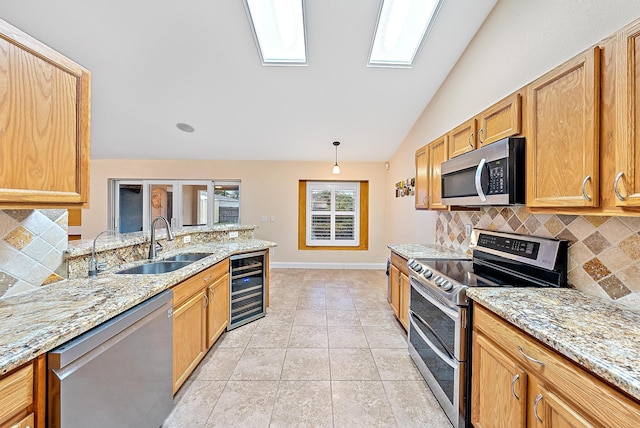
(155, 268)
(187, 257)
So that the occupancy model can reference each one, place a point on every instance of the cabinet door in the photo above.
(189, 337)
(462, 139)
(394, 292)
(499, 121)
(218, 309)
(404, 301)
(438, 153)
(499, 387)
(422, 181)
(627, 178)
(44, 91)
(556, 413)
(563, 135)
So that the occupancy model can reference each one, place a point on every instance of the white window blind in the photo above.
(333, 214)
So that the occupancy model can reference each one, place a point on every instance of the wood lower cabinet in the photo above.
(44, 91)
(218, 309)
(399, 289)
(563, 134)
(23, 395)
(200, 316)
(519, 382)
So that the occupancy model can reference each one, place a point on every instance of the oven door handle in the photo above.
(448, 358)
(454, 315)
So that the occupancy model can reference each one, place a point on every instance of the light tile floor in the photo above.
(329, 353)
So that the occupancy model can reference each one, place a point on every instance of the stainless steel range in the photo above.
(439, 316)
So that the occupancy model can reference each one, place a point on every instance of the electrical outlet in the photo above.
(263, 218)
(186, 239)
(467, 229)
(233, 234)
(273, 218)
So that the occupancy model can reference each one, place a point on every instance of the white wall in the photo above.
(519, 41)
(267, 189)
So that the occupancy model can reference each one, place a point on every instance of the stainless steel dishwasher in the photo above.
(118, 374)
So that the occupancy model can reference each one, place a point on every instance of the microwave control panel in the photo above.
(497, 177)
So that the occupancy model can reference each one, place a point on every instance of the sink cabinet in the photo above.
(23, 395)
(519, 382)
(200, 315)
(44, 143)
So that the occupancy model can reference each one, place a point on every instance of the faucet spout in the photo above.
(153, 250)
(94, 266)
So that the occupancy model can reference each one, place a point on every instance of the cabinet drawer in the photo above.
(574, 384)
(27, 422)
(189, 287)
(400, 263)
(16, 391)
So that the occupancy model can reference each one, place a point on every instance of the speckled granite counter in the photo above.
(35, 322)
(426, 251)
(598, 335)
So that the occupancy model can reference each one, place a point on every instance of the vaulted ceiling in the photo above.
(155, 63)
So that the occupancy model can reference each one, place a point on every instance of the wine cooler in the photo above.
(248, 298)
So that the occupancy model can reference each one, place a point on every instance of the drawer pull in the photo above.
(513, 383)
(533, 360)
(535, 407)
(207, 278)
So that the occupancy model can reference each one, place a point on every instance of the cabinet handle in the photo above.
(207, 278)
(469, 140)
(533, 360)
(212, 294)
(206, 300)
(584, 185)
(615, 186)
(535, 407)
(513, 384)
(424, 201)
(480, 132)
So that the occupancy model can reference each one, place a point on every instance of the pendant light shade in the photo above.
(336, 167)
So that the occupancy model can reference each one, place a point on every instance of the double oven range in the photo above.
(439, 311)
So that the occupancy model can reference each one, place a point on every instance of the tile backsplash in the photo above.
(32, 245)
(604, 252)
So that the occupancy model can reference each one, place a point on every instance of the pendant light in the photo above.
(336, 167)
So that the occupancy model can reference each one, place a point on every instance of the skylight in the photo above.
(279, 30)
(402, 26)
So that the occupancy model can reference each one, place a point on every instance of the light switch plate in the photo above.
(233, 234)
(467, 229)
(186, 239)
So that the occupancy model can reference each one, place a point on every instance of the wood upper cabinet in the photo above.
(501, 120)
(23, 395)
(563, 135)
(626, 185)
(438, 153)
(462, 139)
(428, 183)
(422, 178)
(519, 382)
(44, 143)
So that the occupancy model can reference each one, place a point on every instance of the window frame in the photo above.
(362, 218)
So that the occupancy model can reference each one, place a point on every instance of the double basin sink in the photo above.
(165, 265)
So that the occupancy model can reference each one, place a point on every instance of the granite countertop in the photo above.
(600, 336)
(34, 322)
(426, 251)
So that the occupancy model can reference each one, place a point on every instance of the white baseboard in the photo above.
(306, 265)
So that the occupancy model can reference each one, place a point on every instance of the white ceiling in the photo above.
(155, 63)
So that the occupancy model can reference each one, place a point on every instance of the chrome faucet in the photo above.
(94, 266)
(155, 248)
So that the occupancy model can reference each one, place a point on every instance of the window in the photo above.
(333, 215)
(185, 203)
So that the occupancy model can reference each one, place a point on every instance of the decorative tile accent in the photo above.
(31, 249)
(614, 273)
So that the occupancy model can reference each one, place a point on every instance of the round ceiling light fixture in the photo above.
(185, 127)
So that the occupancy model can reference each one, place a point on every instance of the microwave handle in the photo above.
(481, 194)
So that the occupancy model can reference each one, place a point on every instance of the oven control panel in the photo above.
(515, 246)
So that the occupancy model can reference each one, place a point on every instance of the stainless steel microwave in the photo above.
(491, 175)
